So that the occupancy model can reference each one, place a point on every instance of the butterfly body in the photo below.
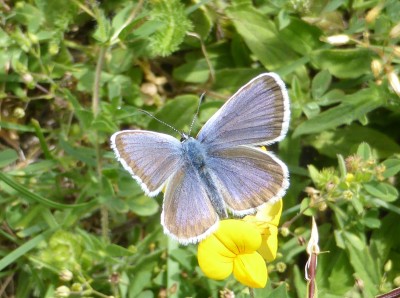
(196, 156)
(221, 169)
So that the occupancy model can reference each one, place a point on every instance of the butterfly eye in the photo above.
(184, 137)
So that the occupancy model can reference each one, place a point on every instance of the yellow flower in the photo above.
(267, 220)
(233, 249)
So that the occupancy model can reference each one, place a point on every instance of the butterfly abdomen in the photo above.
(196, 156)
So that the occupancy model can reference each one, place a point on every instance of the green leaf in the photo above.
(346, 140)
(284, 19)
(261, 37)
(364, 151)
(103, 31)
(320, 84)
(58, 13)
(353, 107)
(382, 191)
(30, 196)
(344, 63)
(23, 249)
(362, 262)
(371, 219)
(279, 292)
(7, 157)
(42, 140)
(16, 126)
(86, 155)
(342, 166)
(392, 167)
(175, 25)
(340, 274)
(192, 72)
(143, 205)
(301, 37)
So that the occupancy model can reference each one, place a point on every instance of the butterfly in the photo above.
(222, 169)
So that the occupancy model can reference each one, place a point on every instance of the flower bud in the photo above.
(66, 275)
(285, 232)
(394, 82)
(77, 287)
(19, 113)
(63, 291)
(347, 195)
(338, 40)
(281, 267)
(388, 266)
(396, 281)
(27, 78)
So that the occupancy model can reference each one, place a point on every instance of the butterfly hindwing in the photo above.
(188, 215)
(248, 177)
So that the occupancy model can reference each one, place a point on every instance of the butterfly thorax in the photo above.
(195, 155)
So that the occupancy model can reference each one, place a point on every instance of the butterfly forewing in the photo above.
(256, 114)
(150, 157)
(188, 215)
(248, 177)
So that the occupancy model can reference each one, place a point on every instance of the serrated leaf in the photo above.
(175, 25)
(103, 31)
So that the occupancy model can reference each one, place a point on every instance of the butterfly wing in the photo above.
(248, 177)
(187, 215)
(150, 157)
(257, 114)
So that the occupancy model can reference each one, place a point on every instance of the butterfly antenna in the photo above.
(197, 112)
(162, 122)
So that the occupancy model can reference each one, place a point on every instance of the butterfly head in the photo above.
(184, 137)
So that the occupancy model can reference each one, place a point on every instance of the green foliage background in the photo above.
(73, 72)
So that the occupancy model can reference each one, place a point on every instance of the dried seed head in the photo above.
(376, 67)
(395, 31)
(373, 13)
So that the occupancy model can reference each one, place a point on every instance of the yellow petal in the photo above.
(269, 244)
(250, 270)
(271, 213)
(238, 236)
(215, 260)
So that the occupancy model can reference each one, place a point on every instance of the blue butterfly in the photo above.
(222, 169)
